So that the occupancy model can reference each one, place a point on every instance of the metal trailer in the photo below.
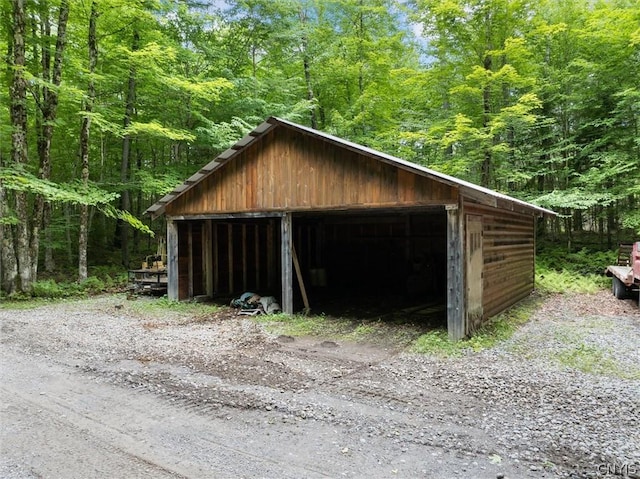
(626, 274)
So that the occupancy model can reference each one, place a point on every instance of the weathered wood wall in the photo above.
(285, 170)
(190, 260)
(509, 256)
(242, 257)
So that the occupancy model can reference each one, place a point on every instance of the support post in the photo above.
(207, 259)
(455, 275)
(216, 260)
(286, 264)
(172, 260)
(190, 264)
(230, 255)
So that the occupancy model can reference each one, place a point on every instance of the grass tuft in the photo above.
(346, 329)
(591, 359)
(498, 329)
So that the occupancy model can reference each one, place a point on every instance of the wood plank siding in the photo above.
(508, 255)
(285, 170)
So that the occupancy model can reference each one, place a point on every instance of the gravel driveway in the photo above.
(97, 388)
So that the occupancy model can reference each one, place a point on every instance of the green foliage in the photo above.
(583, 262)
(582, 271)
(152, 183)
(155, 129)
(50, 289)
(631, 220)
(93, 285)
(538, 100)
(16, 179)
(74, 193)
(437, 342)
(552, 281)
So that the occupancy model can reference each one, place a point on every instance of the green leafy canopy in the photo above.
(75, 193)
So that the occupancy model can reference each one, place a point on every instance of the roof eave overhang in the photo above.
(158, 208)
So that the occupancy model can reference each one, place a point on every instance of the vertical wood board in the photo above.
(285, 170)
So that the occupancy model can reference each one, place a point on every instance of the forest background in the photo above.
(106, 105)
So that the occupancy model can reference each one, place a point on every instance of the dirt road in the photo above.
(95, 389)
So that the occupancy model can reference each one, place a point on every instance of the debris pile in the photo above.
(252, 304)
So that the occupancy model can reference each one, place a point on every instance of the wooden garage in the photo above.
(309, 217)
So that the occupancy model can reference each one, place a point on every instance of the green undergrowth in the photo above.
(582, 271)
(552, 281)
(58, 286)
(48, 290)
(498, 329)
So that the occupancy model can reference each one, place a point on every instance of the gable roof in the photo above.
(467, 189)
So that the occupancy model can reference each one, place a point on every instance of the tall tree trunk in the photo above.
(8, 265)
(485, 176)
(487, 166)
(306, 65)
(48, 109)
(125, 199)
(84, 144)
(18, 100)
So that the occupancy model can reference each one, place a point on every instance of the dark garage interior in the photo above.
(366, 266)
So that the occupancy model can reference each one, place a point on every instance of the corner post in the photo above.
(172, 260)
(455, 275)
(286, 263)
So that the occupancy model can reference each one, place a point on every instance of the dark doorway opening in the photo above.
(378, 265)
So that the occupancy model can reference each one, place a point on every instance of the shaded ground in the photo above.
(109, 388)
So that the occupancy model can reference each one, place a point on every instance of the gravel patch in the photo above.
(561, 398)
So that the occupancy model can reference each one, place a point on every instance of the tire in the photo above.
(619, 289)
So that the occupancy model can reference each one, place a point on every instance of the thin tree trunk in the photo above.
(49, 262)
(307, 79)
(307, 68)
(48, 108)
(486, 168)
(84, 144)
(125, 199)
(18, 94)
(485, 177)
